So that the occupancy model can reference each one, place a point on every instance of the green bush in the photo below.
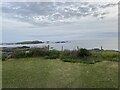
(85, 60)
(69, 53)
(39, 52)
(66, 57)
(83, 52)
(53, 54)
(69, 60)
(4, 58)
(66, 53)
(21, 54)
(110, 55)
(18, 54)
(36, 52)
(74, 53)
(82, 55)
(51, 57)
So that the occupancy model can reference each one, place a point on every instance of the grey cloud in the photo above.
(56, 34)
(108, 5)
(52, 12)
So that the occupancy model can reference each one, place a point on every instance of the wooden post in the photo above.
(62, 48)
(101, 48)
(77, 47)
(48, 47)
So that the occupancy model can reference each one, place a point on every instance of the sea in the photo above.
(74, 44)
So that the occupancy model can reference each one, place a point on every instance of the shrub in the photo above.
(83, 52)
(66, 53)
(4, 58)
(69, 53)
(69, 60)
(18, 54)
(53, 54)
(110, 55)
(74, 53)
(88, 61)
(67, 57)
(51, 57)
(39, 52)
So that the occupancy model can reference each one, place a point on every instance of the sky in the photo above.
(22, 21)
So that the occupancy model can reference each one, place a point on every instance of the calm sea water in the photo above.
(89, 44)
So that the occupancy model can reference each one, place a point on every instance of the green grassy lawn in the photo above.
(0, 72)
(45, 73)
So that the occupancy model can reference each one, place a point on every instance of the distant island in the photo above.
(29, 42)
(38, 42)
(61, 42)
(34, 42)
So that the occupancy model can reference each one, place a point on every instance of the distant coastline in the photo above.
(34, 42)
(30, 42)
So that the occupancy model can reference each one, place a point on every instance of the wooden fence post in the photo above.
(48, 47)
(62, 48)
(77, 47)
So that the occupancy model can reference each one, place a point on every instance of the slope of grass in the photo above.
(45, 73)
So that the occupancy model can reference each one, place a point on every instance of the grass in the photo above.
(0, 72)
(54, 73)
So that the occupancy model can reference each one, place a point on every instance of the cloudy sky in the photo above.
(59, 21)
